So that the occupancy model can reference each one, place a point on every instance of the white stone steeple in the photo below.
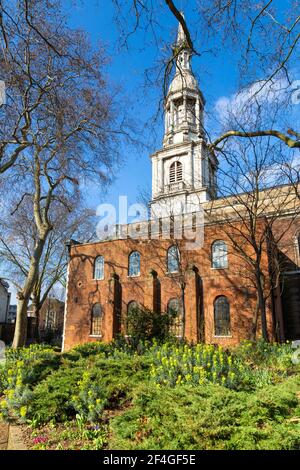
(183, 172)
(184, 103)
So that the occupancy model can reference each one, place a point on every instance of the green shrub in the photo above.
(159, 396)
(259, 353)
(176, 364)
(209, 417)
(86, 387)
(24, 368)
(142, 324)
(109, 384)
(51, 399)
(90, 349)
(3, 379)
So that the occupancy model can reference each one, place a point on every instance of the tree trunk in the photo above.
(36, 303)
(37, 323)
(183, 309)
(262, 307)
(254, 321)
(20, 334)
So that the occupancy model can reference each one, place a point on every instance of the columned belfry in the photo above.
(184, 171)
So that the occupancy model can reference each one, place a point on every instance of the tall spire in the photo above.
(183, 171)
(182, 50)
(181, 37)
(184, 103)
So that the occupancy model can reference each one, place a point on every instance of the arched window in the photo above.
(222, 316)
(134, 264)
(97, 320)
(175, 172)
(99, 268)
(175, 311)
(173, 259)
(219, 254)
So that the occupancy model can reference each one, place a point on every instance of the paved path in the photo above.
(11, 438)
(3, 436)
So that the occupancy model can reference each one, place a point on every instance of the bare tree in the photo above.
(265, 40)
(261, 118)
(17, 242)
(253, 204)
(60, 110)
(21, 27)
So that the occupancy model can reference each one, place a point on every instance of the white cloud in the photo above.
(243, 104)
(276, 173)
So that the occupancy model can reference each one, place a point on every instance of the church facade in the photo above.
(206, 281)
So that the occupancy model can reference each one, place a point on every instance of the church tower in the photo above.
(184, 170)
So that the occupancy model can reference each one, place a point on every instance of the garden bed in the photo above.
(169, 396)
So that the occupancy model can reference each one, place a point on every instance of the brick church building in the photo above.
(203, 278)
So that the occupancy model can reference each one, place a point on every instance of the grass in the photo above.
(170, 396)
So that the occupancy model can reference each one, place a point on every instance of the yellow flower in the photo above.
(19, 382)
(10, 394)
(178, 379)
(23, 411)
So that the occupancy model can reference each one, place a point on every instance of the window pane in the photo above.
(173, 260)
(219, 254)
(134, 264)
(99, 268)
(222, 316)
(175, 310)
(97, 317)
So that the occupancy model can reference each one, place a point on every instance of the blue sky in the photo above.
(217, 75)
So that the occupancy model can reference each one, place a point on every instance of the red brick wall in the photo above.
(236, 283)
(286, 231)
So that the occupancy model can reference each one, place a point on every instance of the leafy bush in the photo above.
(142, 324)
(3, 379)
(35, 351)
(209, 417)
(157, 396)
(51, 399)
(177, 364)
(90, 349)
(86, 387)
(259, 353)
(108, 385)
(23, 369)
